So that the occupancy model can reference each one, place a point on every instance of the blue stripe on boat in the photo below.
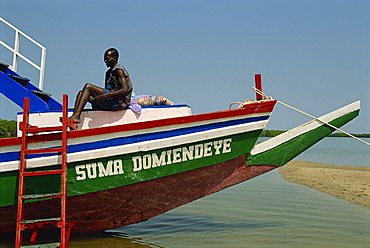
(11, 156)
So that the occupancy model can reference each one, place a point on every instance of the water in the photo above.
(340, 151)
(263, 212)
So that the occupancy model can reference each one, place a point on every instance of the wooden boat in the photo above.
(124, 168)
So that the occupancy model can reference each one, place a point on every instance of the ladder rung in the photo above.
(19, 79)
(3, 67)
(44, 150)
(42, 173)
(50, 245)
(41, 93)
(41, 221)
(43, 129)
(41, 196)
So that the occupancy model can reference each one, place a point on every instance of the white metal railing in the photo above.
(16, 53)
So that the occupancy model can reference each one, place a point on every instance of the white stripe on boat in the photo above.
(137, 147)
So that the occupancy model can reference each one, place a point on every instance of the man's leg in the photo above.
(77, 101)
(86, 94)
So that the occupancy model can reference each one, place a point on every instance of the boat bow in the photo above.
(279, 150)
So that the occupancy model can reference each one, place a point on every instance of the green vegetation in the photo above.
(8, 128)
(273, 133)
(358, 135)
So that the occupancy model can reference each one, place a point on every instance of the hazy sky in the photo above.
(313, 54)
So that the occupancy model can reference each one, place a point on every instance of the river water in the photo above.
(266, 211)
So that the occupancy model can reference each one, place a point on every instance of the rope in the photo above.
(248, 101)
(318, 119)
(264, 96)
(231, 104)
(241, 104)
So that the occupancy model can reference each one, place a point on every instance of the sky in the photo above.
(312, 54)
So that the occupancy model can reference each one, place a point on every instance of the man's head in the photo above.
(111, 57)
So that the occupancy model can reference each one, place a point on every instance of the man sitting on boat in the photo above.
(117, 92)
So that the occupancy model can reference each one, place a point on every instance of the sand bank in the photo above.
(351, 183)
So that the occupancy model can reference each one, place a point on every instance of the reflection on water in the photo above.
(90, 240)
(109, 241)
(264, 212)
(198, 223)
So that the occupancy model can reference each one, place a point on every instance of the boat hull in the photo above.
(138, 202)
(126, 174)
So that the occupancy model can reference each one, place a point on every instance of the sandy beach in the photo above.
(351, 183)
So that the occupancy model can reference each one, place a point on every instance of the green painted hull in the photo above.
(283, 153)
(117, 171)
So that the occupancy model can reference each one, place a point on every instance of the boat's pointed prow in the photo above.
(279, 150)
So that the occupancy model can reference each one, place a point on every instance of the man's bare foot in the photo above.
(74, 119)
(71, 123)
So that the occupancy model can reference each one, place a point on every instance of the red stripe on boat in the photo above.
(253, 108)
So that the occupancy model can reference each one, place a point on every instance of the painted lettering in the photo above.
(147, 162)
(95, 170)
(207, 149)
(104, 172)
(181, 154)
(187, 153)
(198, 151)
(91, 170)
(227, 146)
(176, 155)
(118, 167)
(137, 163)
(158, 162)
(217, 145)
(81, 174)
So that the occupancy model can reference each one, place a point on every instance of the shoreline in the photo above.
(351, 183)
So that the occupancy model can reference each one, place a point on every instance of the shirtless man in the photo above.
(117, 92)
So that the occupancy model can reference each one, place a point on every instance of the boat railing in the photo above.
(16, 52)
